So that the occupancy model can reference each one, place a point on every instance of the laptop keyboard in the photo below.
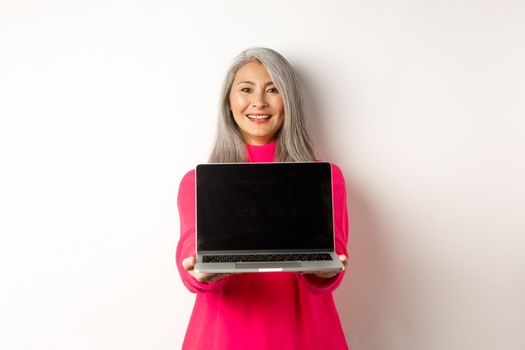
(265, 257)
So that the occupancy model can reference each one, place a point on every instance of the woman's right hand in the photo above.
(189, 264)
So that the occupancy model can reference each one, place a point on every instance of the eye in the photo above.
(246, 89)
(273, 90)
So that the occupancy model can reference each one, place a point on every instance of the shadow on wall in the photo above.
(313, 117)
(367, 292)
(368, 298)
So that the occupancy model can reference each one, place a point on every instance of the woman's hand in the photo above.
(189, 263)
(331, 274)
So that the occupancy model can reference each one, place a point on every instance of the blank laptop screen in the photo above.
(264, 206)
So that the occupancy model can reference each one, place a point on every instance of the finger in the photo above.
(189, 263)
(189, 266)
(310, 272)
(217, 277)
(201, 276)
(326, 274)
(210, 277)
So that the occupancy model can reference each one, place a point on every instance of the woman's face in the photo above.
(256, 105)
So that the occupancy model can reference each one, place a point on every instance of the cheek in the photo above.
(280, 110)
(281, 122)
(237, 103)
(279, 105)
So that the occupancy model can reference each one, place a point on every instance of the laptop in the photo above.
(265, 217)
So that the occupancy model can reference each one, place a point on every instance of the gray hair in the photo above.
(292, 140)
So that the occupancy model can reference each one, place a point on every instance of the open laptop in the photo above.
(265, 217)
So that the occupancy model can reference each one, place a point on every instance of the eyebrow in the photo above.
(252, 83)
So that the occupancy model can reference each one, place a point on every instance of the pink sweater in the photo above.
(280, 310)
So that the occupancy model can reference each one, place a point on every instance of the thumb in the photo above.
(188, 263)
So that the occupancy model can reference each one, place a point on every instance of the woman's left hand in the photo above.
(331, 274)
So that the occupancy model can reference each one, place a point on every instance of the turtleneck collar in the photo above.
(262, 153)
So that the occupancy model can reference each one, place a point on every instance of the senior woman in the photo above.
(261, 120)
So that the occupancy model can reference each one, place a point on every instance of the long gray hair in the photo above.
(293, 142)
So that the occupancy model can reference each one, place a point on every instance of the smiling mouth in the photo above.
(258, 116)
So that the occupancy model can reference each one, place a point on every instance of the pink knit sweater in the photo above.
(280, 310)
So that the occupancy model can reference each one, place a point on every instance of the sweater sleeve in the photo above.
(318, 285)
(186, 246)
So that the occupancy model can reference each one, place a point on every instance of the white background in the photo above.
(104, 105)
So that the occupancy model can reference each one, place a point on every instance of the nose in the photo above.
(259, 100)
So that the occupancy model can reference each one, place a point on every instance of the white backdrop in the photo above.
(104, 105)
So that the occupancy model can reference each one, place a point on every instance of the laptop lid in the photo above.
(264, 207)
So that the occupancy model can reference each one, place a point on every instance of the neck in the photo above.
(258, 141)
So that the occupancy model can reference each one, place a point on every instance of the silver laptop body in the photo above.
(265, 217)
